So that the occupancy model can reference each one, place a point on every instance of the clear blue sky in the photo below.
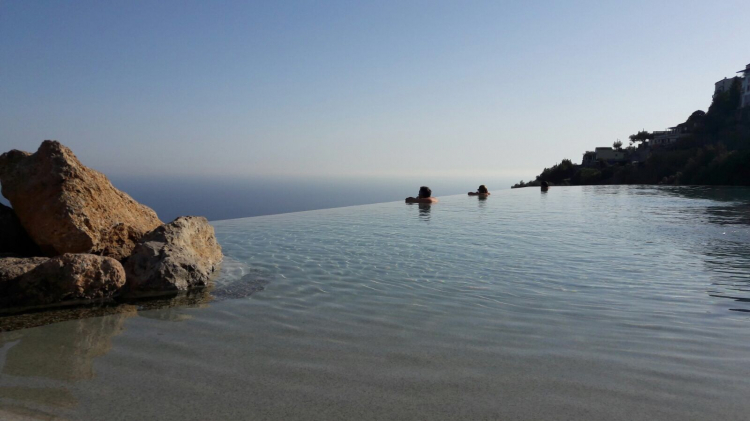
(355, 88)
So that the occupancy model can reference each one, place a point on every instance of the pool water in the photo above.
(608, 302)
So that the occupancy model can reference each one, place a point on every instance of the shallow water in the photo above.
(580, 303)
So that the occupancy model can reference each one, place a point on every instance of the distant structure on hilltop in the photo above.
(605, 153)
(669, 136)
(609, 155)
(745, 87)
(725, 84)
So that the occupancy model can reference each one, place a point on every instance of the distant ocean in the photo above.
(229, 198)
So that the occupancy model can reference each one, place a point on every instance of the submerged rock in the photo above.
(63, 280)
(68, 208)
(178, 256)
(13, 238)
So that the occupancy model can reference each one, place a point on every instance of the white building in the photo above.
(610, 155)
(669, 136)
(723, 85)
(745, 87)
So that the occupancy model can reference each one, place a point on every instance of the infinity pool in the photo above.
(628, 303)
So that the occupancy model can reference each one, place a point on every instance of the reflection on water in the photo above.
(76, 344)
(721, 216)
(63, 352)
(225, 287)
(424, 210)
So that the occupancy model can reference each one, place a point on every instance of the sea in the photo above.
(219, 198)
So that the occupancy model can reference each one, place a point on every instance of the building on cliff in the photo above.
(725, 84)
(669, 136)
(589, 159)
(604, 153)
(745, 87)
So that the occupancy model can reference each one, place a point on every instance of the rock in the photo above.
(175, 257)
(13, 267)
(63, 280)
(13, 238)
(69, 208)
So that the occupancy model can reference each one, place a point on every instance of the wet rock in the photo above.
(68, 208)
(178, 256)
(63, 280)
(13, 238)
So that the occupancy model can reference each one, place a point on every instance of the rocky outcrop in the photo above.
(13, 238)
(175, 257)
(68, 208)
(63, 280)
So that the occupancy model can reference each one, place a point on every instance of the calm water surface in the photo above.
(626, 303)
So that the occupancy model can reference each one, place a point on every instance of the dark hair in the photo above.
(545, 184)
(425, 191)
(482, 189)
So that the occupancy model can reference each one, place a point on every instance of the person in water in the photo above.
(545, 186)
(425, 196)
(481, 191)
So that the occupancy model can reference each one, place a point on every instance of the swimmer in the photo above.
(425, 196)
(481, 191)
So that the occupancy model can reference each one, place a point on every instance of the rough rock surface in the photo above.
(175, 257)
(13, 267)
(13, 238)
(66, 279)
(69, 208)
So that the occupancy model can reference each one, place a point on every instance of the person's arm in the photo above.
(421, 200)
(471, 193)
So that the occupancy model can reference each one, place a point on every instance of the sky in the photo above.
(347, 89)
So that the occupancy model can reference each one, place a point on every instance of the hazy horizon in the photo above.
(337, 90)
(231, 197)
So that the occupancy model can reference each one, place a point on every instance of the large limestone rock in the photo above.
(13, 238)
(69, 208)
(175, 257)
(63, 280)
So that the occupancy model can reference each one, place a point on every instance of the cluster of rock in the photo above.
(71, 237)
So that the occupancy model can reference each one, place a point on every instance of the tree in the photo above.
(617, 145)
(641, 136)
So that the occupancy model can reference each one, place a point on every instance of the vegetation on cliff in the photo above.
(715, 150)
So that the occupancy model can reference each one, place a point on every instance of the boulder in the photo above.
(63, 280)
(69, 208)
(13, 238)
(13, 267)
(178, 256)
